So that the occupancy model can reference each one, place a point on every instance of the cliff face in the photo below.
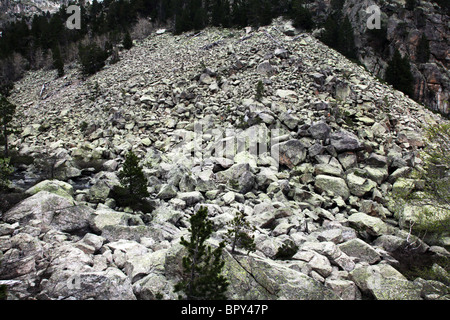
(10, 9)
(402, 29)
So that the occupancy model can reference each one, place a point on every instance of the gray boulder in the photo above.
(239, 177)
(290, 153)
(333, 185)
(51, 210)
(344, 141)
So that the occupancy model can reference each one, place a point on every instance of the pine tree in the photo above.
(330, 34)
(7, 111)
(5, 171)
(398, 74)
(127, 41)
(423, 50)
(238, 234)
(301, 16)
(92, 58)
(202, 279)
(346, 40)
(58, 63)
(133, 180)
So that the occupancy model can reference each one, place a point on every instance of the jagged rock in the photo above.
(104, 182)
(384, 283)
(266, 68)
(361, 250)
(319, 130)
(344, 289)
(111, 284)
(291, 153)
(239, 177)
(104, 217)
(53, 186)
(359, 186)
(365, 223)
(167, 192)
(344, 141)
(333, 185)
(190, 198)
(52, 210)
(154, 287)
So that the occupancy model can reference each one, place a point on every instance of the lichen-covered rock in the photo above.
(52, 210)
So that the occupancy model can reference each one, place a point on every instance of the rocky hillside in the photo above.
(339, 142)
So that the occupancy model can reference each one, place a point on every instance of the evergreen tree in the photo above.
(346, 40)
(202, 279)
(339, 36)
(58, 63)
(92, 58)
(423, 50)
(331, 32)
(133, 180)
(301, 16)
(239, 17)
(7, 111)
(398, 74)
(127, 41)
(5, 171)
(238, 234)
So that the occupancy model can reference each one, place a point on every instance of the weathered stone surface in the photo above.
(51, 210)
(333, 185)
(53, 186)
(344, 141)
(365, 223)
(239, 177)
(361, 250)
(291, 153)
(384, 283)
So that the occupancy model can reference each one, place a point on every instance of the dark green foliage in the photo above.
(133, 181)
(5, 170)
(339, 35)
(127, 41)
(238, 235)
(398, 74)
(259, 91)
(92, 58)
(3, 292)
(346, 40)
(58, 62)
(423, 50)
(202, 279)
(220, 15)
(301, 16)
(337, 5)
(377, 39)
(7, 111)
(287, 251)
(411, 4)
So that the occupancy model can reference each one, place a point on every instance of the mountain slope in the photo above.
(343, 140)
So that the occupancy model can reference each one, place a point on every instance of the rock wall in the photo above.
(403, 29)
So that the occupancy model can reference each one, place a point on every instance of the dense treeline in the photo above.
(45, 41)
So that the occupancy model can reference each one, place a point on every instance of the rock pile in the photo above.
(339, 142)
